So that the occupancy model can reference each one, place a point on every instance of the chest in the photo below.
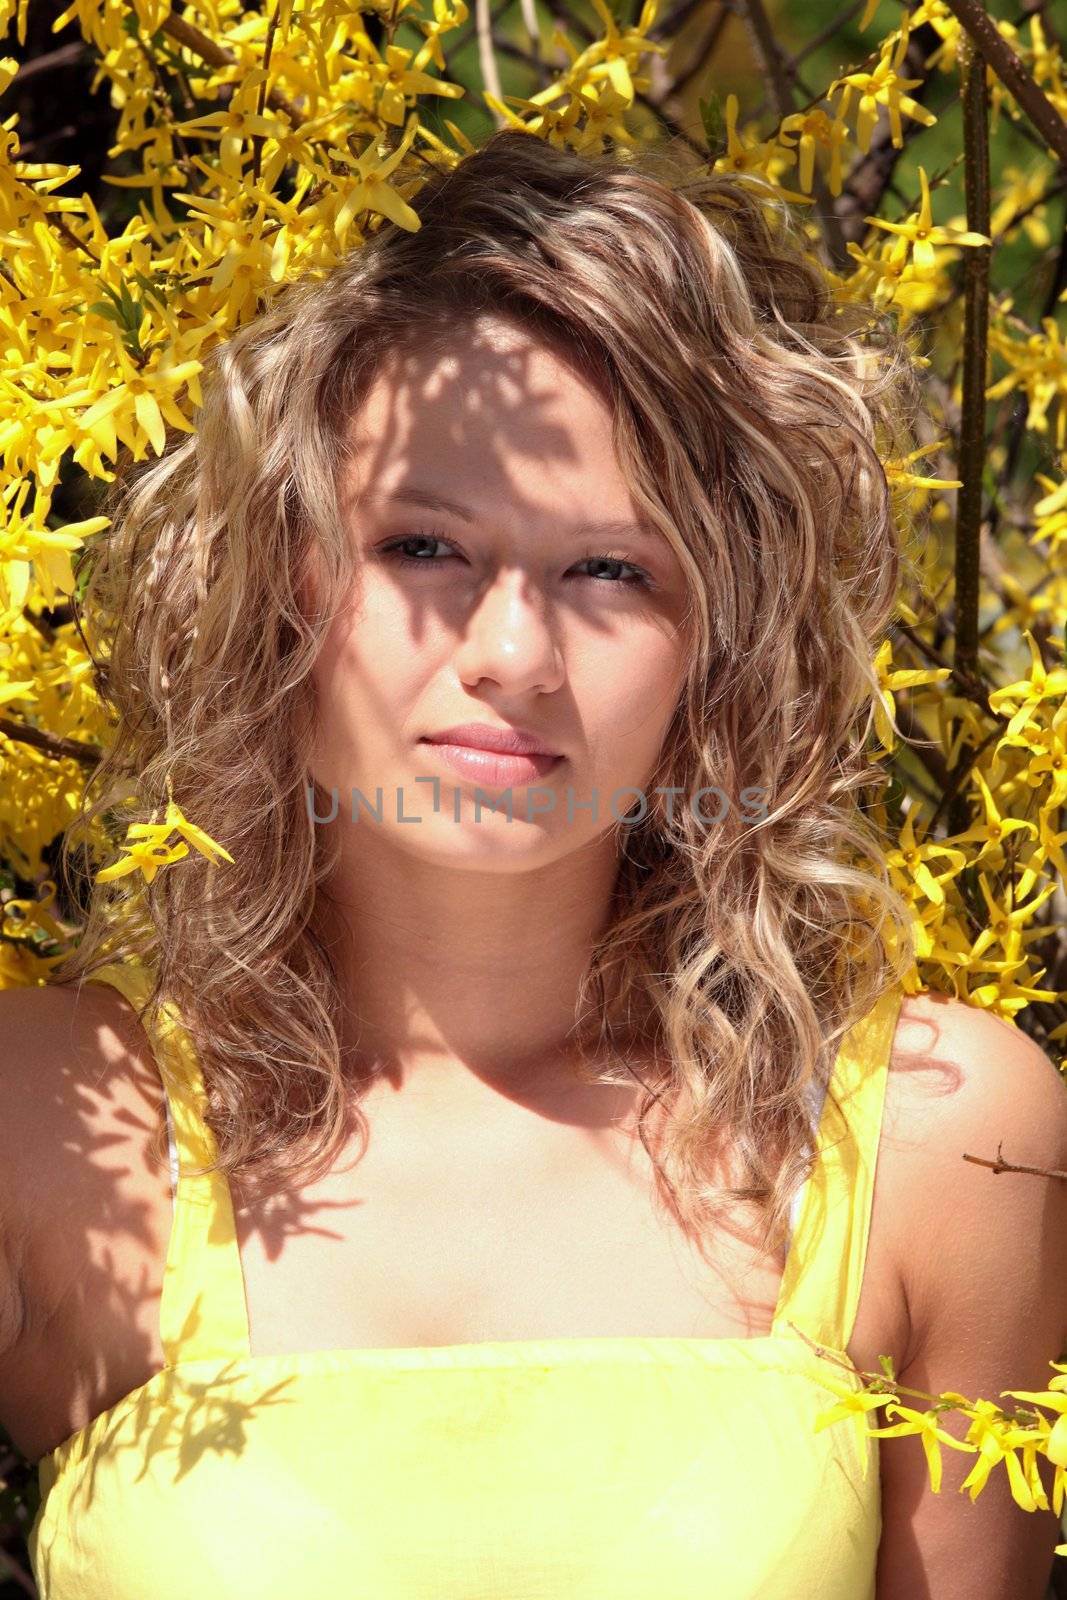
(435, 1236)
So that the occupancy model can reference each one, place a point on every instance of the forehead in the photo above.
(492, 403)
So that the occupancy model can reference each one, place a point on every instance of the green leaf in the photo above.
(714, 126)
(102, 309)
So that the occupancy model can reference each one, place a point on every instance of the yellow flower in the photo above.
(152, 849)
(759, 157)
(996, 827)
(924, 1423)
(883, 86)
(1009, 915)
(913, 857)
(854, 1404)
(920, 231)
(1030, 692)
(195, 836)
(889, 679)
(816, 130)
(146, 856)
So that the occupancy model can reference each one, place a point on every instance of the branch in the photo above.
(1011, 1166)
(970, 684)
(1012, 73)
(16, 1573)
(486, 59)
(49, 744)
(781, 77)
(971, 456)
(911, 728)
(65, 56)
(216, 55)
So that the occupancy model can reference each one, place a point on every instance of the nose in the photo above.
(510, 637)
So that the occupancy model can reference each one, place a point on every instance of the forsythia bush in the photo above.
(266, 144)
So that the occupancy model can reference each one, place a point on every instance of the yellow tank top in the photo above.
(617, 1468)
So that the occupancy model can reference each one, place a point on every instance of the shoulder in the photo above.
(76, 1073)
(975, 1148)
(967, 1088)
(961, 1081)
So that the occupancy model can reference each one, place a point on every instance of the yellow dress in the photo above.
(620, 1468)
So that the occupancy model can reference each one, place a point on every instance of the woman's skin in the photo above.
(465, 939)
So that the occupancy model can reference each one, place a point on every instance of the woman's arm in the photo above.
(983, 1256)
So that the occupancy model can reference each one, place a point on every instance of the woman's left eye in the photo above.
(639, 577)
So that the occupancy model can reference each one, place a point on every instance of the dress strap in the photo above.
(820, 1288)
(203, 1314)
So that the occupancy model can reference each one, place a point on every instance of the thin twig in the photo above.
(1000, 1165)
(781, 79)
(66, 56)
(970, 685)
(15, 1571)
(703, 54)
(268, 51)
(972, 441)
(960, 771)
(933, 759)
(486, 59)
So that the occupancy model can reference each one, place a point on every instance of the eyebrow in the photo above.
(431, 501)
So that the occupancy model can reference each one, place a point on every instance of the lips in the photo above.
(492, 768)
(484, 736)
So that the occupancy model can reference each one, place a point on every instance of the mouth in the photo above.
(492, 767)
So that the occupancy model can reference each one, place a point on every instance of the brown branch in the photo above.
(960, 771)
(670, 25)
(781, 77)
(268, 51)
(971, 456)
(971, 453)
(72, 239)
(703, 53)
(926, 750)
(49, 744)
(1012, 73)
(18, 1574)
(65, 56)
(1000, 1165)
(969, 684)
(216, 55)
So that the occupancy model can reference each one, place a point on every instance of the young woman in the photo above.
(548, 1122)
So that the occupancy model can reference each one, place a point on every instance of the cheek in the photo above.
(629, 699)
(369, 672)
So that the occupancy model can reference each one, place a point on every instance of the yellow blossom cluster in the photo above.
(261, 145)
(1013, 1437)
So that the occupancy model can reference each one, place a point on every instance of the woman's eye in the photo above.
(398, 545)
(620, 574)
(639, 579)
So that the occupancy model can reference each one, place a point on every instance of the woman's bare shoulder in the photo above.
(77, 1078)
(966, 1090)
(59, 1039)
(961, 1064)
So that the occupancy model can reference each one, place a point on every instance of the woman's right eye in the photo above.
(396, 546)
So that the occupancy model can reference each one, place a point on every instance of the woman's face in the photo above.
(489, 466)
